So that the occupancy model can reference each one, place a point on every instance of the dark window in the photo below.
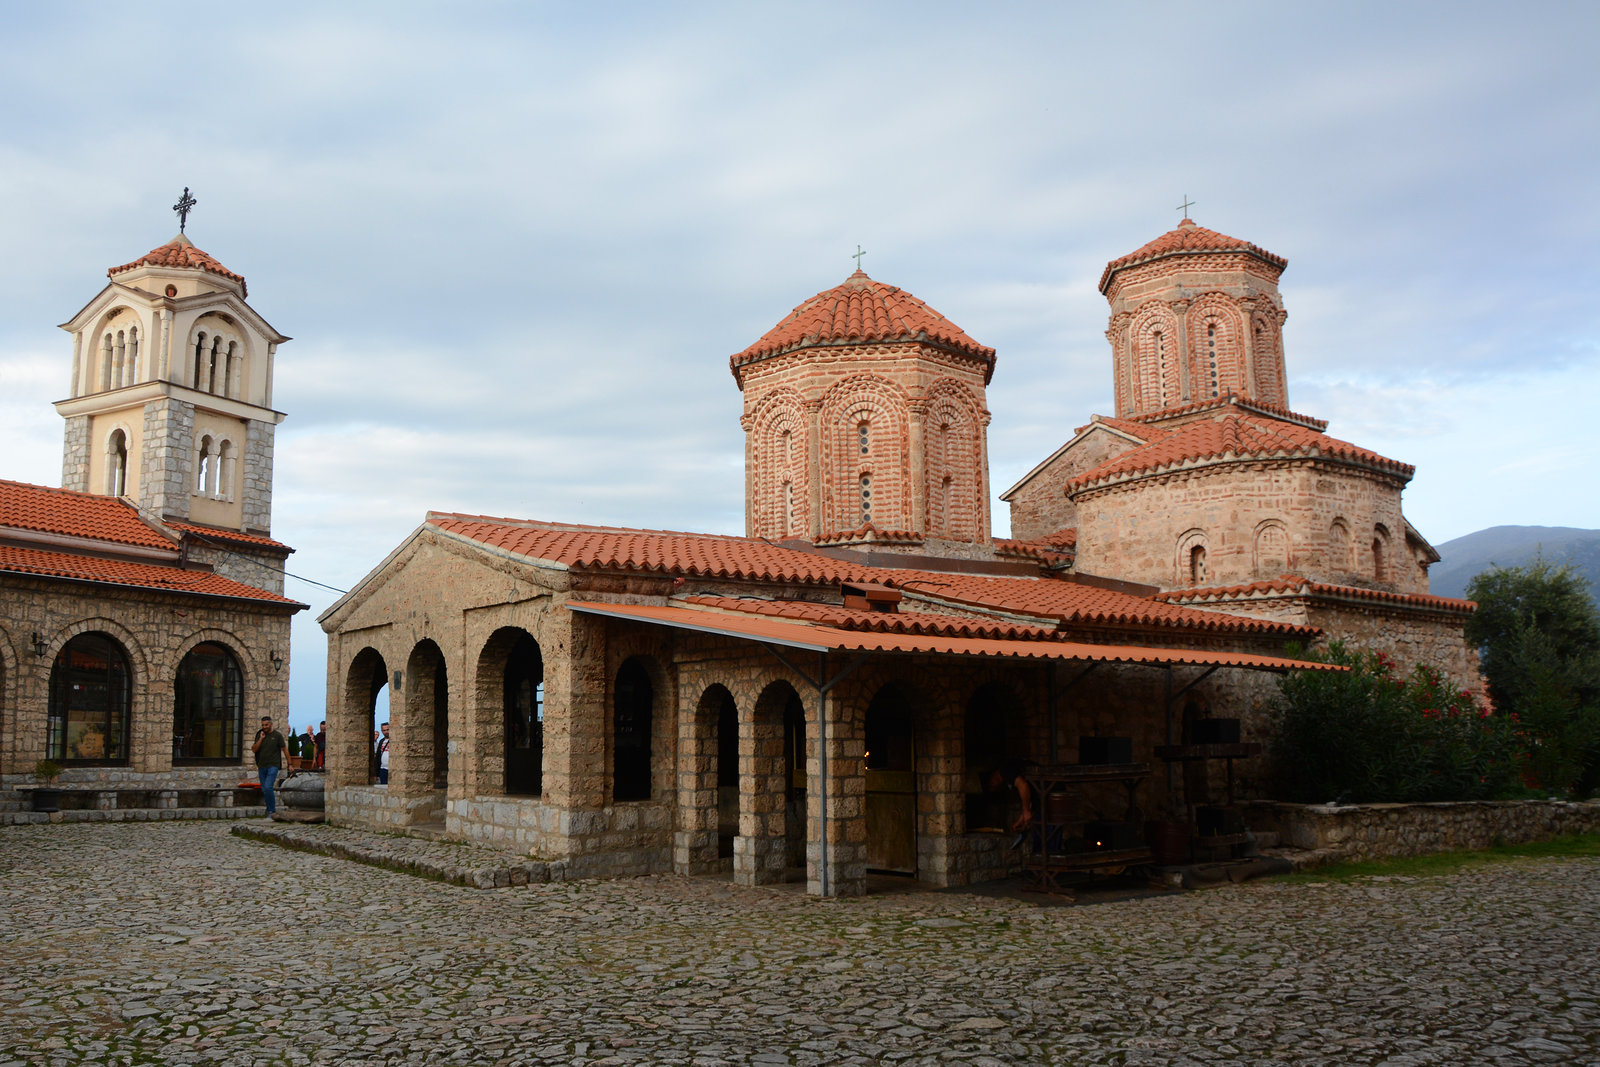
(91, 690)
(208, 707)
(633, 712)
(524, 711)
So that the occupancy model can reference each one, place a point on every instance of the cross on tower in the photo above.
(184, 205)
(1185, 206)
(857, 256)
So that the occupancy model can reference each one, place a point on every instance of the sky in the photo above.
(516, 243)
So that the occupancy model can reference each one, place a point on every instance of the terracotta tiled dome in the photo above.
(858, 311)
(1188, 239)
(181, 252)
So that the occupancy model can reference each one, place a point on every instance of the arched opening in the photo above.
(91, 696)
(993, 741)
(1197, 565)
(208, 707)
(632, 731)
(727, 750)
(205, 461)
(523, 707)
(424, 764)
(117, 464)
(1271, 550)
(366, 687)
(794, 763)
(771, 795)
(891, 786)
(1382, 567)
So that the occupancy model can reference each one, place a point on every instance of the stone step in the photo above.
(23, 818)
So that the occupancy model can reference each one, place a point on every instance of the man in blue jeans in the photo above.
(270, 748)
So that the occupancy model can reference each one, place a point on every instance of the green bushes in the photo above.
(1368, 734)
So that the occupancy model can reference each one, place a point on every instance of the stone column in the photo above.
(694, 841)
(841, 834)
(760, 849)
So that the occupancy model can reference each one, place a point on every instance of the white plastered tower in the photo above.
(171, 395)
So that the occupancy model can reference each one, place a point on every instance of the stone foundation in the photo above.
(1375, 831)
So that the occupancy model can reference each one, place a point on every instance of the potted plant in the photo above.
(46, 797)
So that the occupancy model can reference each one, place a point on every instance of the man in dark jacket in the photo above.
(270, 750)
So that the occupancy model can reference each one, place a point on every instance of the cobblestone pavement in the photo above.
(178, 943)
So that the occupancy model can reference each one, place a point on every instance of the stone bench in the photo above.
(99, 798)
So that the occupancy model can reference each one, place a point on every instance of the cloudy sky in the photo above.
(516, 243)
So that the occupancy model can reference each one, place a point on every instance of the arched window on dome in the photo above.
(117, 464)
(1197, 565)
(788, 506)
(1271, 550)
(1190, 564)
(864, 435)
(866, 499)
(1211, 357)
(1382, 565)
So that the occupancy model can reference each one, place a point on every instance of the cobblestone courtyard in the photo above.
(178, 943)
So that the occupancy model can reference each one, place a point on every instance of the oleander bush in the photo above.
(1370, 733)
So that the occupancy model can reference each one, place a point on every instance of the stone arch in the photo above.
(91, 707)
(882, 406)
(1216, 330)
(194, 738)
(1266, 352)
(419, 762)
(118, 445)
(352, 761)
(1155, 355)
(1191, 563)
(509, 725)
(708, 817)
(771, 809)
(953, 462)
(1383, 569)
(1340, 547)
(636, 692)
(780, 497)
(1270, 554)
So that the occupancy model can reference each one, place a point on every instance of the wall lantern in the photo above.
(277, 660)
(41, 647)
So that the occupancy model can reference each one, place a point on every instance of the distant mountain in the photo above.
(1511, 546)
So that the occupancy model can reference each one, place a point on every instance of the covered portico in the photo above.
(877, 739)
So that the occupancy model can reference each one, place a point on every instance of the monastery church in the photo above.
(823, 696)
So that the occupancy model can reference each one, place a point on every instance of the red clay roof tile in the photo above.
(228, 535)
(181, 252)
(1235, 433)
(907, 622)
(71, 514)
(1187, 239)
(861, 311)
(66, 565)
(1297, 585)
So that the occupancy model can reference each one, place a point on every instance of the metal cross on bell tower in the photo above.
(857, 256)
(184, 205)
(1185, 206)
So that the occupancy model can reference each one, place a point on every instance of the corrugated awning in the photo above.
(818, 638)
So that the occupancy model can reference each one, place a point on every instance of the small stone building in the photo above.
(143, 626)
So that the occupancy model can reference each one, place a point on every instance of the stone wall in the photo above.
(1039, 503)
(155, 630)
(1375, 831)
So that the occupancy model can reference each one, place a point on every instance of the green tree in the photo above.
(1538, 632)
(1368, 734)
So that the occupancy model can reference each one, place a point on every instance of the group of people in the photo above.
(273, 751)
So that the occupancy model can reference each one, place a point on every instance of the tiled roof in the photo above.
(71, 514)
(1080, 604)
(181, 252)
(1293, 585)
(821, 638)
(869, 532)
(133, 575)
(859, 311)
(1187, 239)
(662, 551)
(907, 622)
(1130, 426)
(1148, 423)
(234, 536)
(1234, 433)
(751, 559)
(1057, 547)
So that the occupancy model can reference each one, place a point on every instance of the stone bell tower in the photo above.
(170, 402)
(1195, 314)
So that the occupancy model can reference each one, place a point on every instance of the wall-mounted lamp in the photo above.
(41, 647)
(277, 660)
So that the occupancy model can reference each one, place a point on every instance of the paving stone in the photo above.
(179, 943)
